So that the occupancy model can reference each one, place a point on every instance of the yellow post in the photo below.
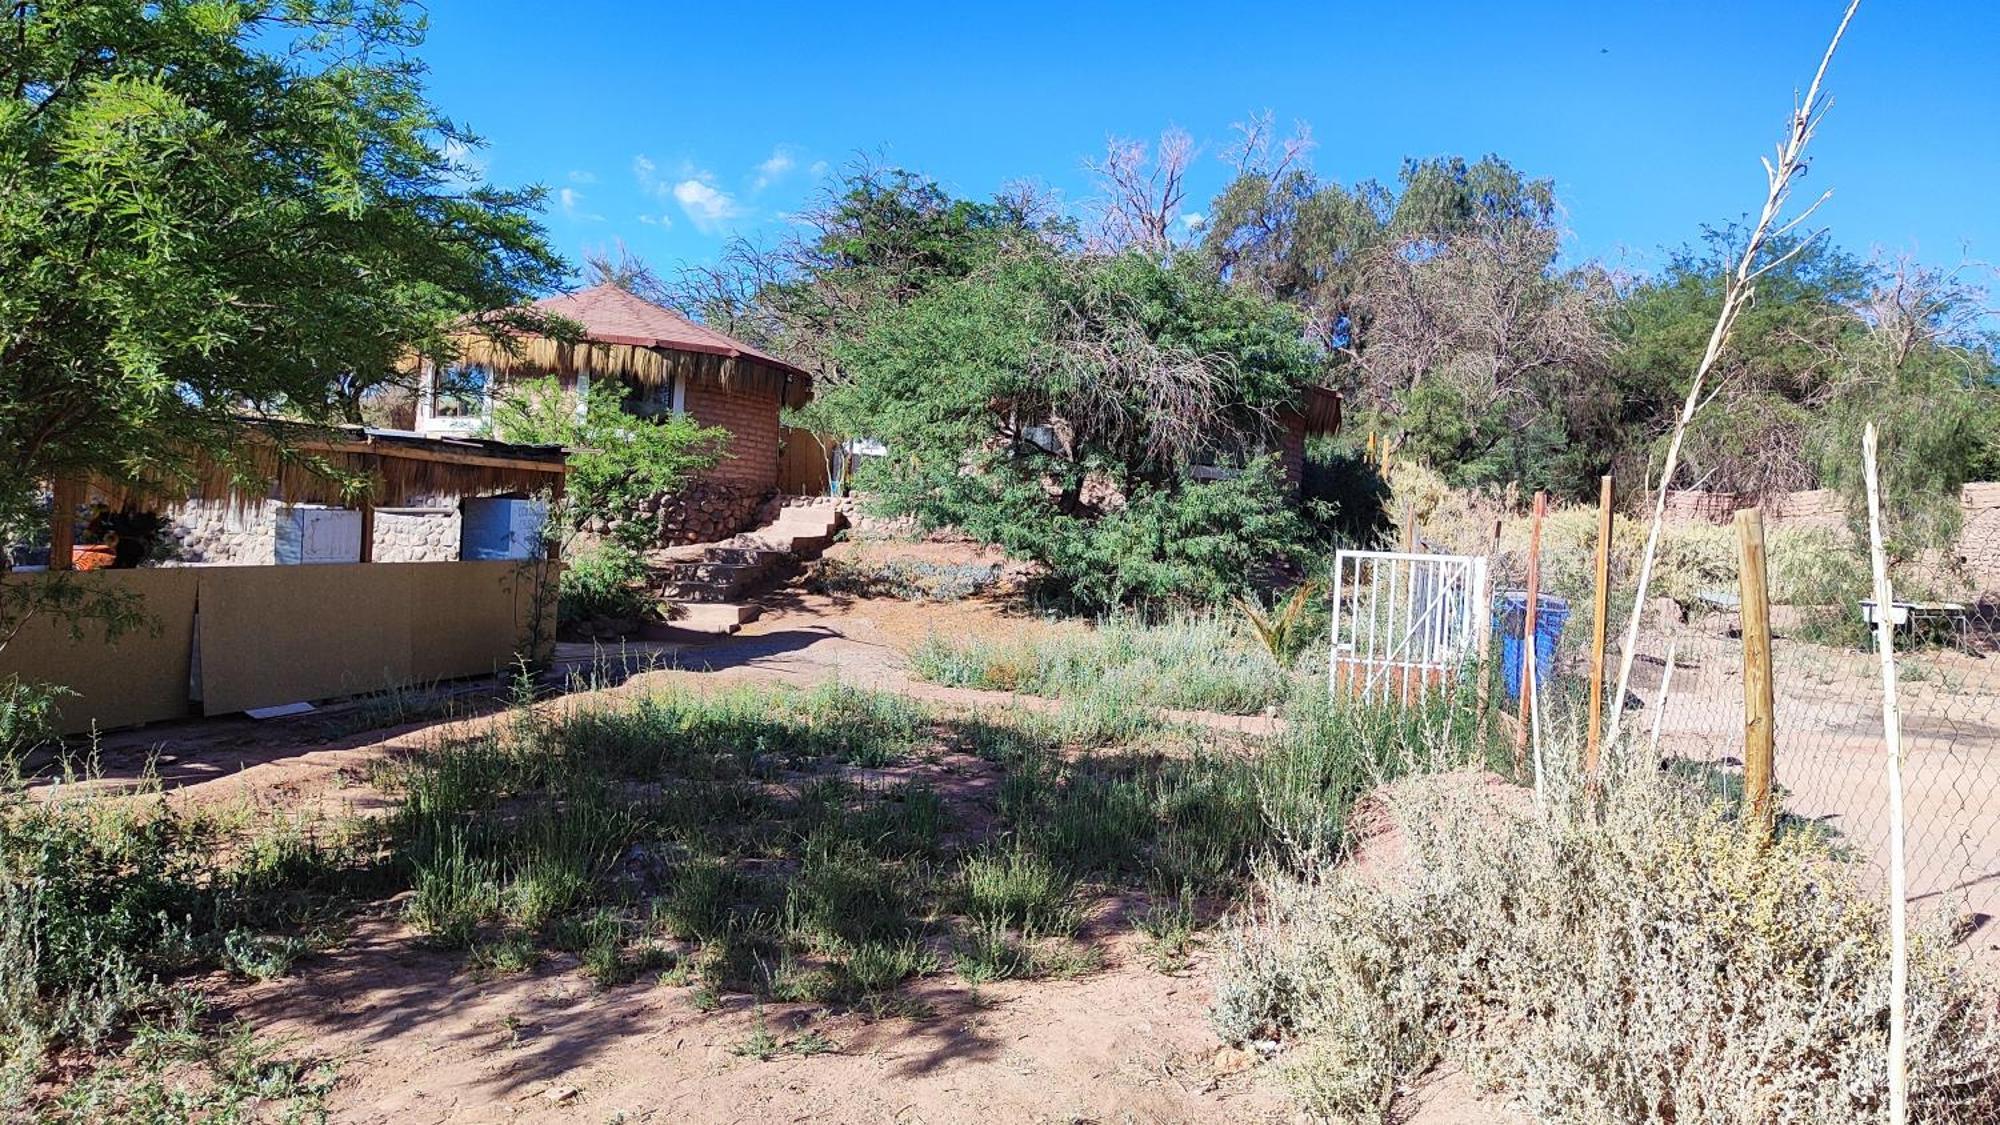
(1602, 609)
(1759, 695)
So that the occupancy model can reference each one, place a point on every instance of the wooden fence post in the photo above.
(1759, 696)
(1601, 609)
(1527, 704)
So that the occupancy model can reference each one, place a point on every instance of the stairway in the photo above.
(704, 588)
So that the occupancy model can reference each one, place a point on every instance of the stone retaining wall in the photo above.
(221, 533)
(703, 512)
(416, 534)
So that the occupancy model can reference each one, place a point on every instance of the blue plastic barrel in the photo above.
(1510, 619)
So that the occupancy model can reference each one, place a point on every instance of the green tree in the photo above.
(876, 238)
(617, 460)
(1449, 318)
(1081, 393)
(208, 207)
(1753, 437)
(1924, 372)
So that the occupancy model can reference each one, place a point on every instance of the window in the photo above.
(462, 392)
(651, 400)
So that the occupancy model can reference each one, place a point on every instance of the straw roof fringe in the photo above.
(536, 356)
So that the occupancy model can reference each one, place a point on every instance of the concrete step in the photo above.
(827, 520)
(710, 617)
(808, 545)
(703, 592)
(717, 572)
(743, 556)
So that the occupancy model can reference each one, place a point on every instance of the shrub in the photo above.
(617, 460)
(27, 724)
(605, 581)
(1654, 963)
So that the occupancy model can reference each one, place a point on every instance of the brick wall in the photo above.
(751, 417)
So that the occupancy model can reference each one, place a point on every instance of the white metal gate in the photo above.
(1404, 622)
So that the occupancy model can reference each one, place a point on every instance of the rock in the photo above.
(1232, 1060)
(559, 1095)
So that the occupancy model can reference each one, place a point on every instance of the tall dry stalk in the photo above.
(1737, 292)
(1892, 733)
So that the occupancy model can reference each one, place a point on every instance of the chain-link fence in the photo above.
(1685, 702)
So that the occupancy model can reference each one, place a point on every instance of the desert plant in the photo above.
(1640, 958)
(1285, 629)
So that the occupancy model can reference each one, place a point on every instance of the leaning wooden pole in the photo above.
(1892, 735)
(1759, 697)
(1737, 291)
(1601, 609)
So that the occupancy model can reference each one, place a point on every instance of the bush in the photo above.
(1346, 499)
(616, 459)
(1654, 964)
(1198, 545)
(606, 581)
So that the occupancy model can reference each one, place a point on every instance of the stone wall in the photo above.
(416, 534)
(1979, 538)
(223, 533)
(220, 533)
(703, 512)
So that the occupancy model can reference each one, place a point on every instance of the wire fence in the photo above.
(1685, 702)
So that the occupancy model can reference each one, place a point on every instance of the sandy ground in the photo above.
(419, 1040)
(420, 1037)
(1831, 765)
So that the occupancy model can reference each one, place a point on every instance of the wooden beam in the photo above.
(1759, 696)
(67, 497)
(368, 512)
(390, 450)
(1601, 609)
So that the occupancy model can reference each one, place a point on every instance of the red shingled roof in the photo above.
(612, 315)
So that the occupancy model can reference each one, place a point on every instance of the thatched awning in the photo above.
(350, 466)
(533, 357)
(625, 336)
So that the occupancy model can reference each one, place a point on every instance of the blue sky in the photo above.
(672, 126)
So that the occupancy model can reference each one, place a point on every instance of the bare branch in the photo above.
(1806, 115)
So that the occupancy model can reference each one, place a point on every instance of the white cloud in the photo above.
(773, 168)
(666, 221)
(1194, 220)
(571, 201)
(644, 171)
(705, 204)
(580, 176)
(818, 169)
